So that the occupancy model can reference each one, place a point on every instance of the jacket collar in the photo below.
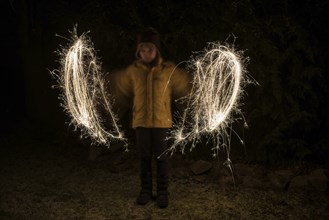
(139, 63)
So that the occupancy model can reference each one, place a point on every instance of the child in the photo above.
(151, 84)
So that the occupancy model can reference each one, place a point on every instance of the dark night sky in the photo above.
(29, 28)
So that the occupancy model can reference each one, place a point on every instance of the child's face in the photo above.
(147, 52)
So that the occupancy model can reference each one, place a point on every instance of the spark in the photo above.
(218, 80)
(83, 91)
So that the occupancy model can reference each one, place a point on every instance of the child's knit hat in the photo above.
(149, 35)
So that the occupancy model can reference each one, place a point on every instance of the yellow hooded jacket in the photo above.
(151, 91)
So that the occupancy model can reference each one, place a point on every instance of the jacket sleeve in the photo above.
(181, 83)
(120, 89)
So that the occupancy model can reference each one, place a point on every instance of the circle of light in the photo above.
(83, 90)
(217, 80)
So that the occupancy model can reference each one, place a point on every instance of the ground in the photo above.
(46, 179)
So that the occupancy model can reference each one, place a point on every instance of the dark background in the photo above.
(286, 42)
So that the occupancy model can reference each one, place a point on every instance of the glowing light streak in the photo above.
(83, 91)
(217, 86)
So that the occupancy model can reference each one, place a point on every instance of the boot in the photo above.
(145, 194)
(162, 183)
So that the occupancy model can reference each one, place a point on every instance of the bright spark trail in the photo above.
(83, 91)
(217, 86)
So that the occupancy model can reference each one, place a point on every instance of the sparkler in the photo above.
(83, 92)
(217, 86)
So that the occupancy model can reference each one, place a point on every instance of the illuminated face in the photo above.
(147, 52)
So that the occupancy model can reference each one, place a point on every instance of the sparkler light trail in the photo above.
(83, 91)
(217, 86)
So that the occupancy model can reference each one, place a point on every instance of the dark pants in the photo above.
(151, 142)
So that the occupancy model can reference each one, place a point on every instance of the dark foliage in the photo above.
(285, 42)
